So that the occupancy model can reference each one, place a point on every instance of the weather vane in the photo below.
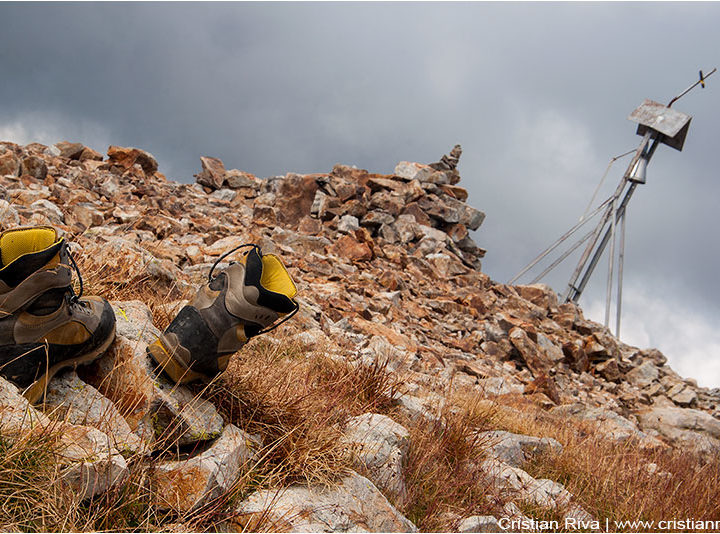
(657, 124)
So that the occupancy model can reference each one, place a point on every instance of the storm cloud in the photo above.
(537, 94)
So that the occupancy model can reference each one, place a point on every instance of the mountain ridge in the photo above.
(387, 271)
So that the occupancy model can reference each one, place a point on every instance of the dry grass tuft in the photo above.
(120, 278)
(27, 471)
(618, 481)
(299, 403)
(625, 482)
(442, 472)
(34, 498)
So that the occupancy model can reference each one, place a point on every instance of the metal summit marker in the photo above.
(657, 124)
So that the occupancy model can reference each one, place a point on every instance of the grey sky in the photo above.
(536, 93)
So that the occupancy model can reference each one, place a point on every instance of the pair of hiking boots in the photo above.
(45, 326)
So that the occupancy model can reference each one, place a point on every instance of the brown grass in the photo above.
(443, 478)
(121, 278)
(613, 480)
(299, 403)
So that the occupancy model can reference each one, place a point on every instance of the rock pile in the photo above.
(386, 268)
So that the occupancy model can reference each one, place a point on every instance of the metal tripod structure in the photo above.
(657, 124)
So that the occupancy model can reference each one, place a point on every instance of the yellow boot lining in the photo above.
(17, 243)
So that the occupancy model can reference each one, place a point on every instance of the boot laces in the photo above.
(256, 247)
(74, 299)
(226, 254)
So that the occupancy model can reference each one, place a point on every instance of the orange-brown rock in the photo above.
(70, 150)
(34, 166)
(294, 198)
(455, 191)
(546, 385)
(348, 247)
(575, 356)
(212, 174)
(88, 154)
(127, 157)
(416, 211)
(533, 358)
(9, 164)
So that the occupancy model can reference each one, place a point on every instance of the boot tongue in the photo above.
(275, 277)
(16, 243)
(269, 276)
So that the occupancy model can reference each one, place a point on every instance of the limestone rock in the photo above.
(188, 484)
(225, 194)
(348, 224)
(16, 414)
(348, 247)
(88, 462)
(644, 374)
(683, 426)
(449, 161)
(235, 179)
(70, 399)
(653, 355)
(355, 505)
(50, 210)
(552, 352)
(8, 215)
(480, 523)
(9, 164)
(539, 294)
(516, 449)
(612, 425)
(682, 395)
(33, 166)
(536, 362)
(379, 446)
(84, 215)
(88, 154)
(294, 197)
(542, 492)
(609, 370)
(127, 157)
(91, 466)
(212, 174)
(575, 356)
(415, 407)
(413, 171)
(70, 150)
(152, 406)
(496, 385)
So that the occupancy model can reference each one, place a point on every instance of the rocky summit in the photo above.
(387, 270)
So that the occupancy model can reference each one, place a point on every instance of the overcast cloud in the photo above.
(537, 94)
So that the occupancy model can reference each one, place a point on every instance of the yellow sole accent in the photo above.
(175, 370)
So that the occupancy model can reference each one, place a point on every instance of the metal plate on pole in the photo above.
(673, 124)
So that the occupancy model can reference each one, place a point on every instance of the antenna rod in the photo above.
(621, 262)
(559, 241)
(572, 293)
(575, 292)
(701, 81)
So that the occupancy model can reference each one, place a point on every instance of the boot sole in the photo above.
(37, 389)
(173, 368)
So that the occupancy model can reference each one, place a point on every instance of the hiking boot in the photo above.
(44, 326)
(242, 301)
